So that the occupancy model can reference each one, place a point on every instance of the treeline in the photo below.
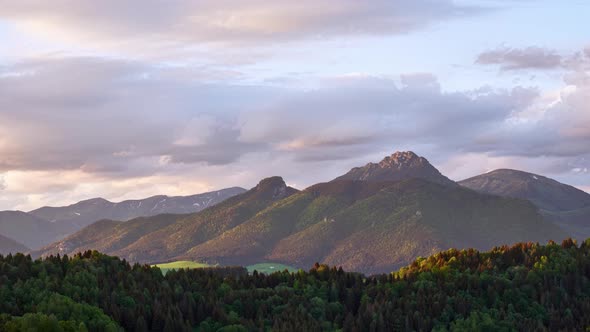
(525, 287)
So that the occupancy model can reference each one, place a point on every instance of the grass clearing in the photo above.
(165, 267)
(268, 268)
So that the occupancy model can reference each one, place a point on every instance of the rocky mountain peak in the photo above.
(402, 159)
(274, 186)
(401, 165)
(271, 183)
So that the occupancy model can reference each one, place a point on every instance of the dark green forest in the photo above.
(525, 287)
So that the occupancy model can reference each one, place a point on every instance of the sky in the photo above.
(128, 99)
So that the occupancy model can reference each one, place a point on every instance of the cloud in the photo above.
(129, 118)
(154, 24)
(77, 127)
(368, 114)
(526, 58)
(110, 116)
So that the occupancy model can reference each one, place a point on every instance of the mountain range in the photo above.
(372, 219)
(45, 225)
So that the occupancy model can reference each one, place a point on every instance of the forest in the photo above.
(524, 287)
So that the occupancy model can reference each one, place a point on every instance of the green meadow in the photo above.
(165, 267)
(266, 268)
(270, 268)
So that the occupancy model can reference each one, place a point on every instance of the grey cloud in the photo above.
(139, 121)
(102, 115)
(364, 115)
(527, 58)
(221, 148)
(562, 131)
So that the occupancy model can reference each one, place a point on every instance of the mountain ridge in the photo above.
(521, 184)
(372, 225)
(164, 234)
(563, 204)
(55, 223)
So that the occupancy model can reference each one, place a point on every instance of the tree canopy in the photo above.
(524, 287)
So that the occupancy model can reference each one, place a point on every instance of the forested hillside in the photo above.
(526, 287)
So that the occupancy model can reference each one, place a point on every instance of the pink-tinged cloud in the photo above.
(224, 21)
(82, 125)
(515, 58)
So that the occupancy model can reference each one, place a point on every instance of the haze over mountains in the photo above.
(27, 229)
(373, 219)
(48, 224)
(8, 245)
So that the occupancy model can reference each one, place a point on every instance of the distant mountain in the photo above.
(565, 205)
(399, 166)
(46, 225)
(546, 193)
(27, 229)
(83, 213)
(8, 245)
(367, 226)
(157, 238)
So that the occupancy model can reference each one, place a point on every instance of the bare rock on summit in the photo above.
(397, 167)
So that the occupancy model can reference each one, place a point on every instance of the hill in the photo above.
(524, 287)
(565, 205)
(8, 245)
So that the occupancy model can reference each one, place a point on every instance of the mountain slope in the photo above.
(157, 238)
(565, 205)
(252, 240)
(8, 245)
(27, 229)
(379, 232)
(399, 166)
